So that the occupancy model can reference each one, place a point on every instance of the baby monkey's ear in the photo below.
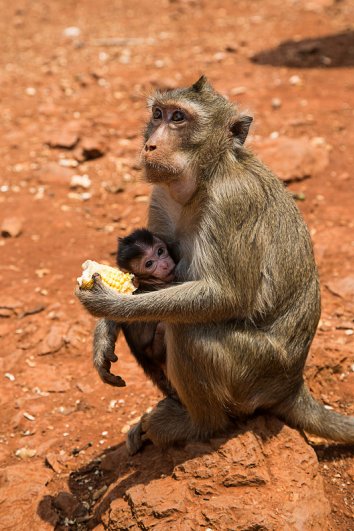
(240, 127)
(201, 85)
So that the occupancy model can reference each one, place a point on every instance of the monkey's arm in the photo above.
(105, 337)
(190, 302)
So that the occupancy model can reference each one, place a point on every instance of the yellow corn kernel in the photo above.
(111, 276)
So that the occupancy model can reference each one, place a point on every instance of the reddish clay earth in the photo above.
(73, 103)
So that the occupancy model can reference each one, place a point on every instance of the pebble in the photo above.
(82, 181)
(72, 31)
(276, 103)
(24, 453)
(295, 80)
(63, 139)
(68, 163)
(238, 90)
(9, 376)
(11, 227)
(28, 416)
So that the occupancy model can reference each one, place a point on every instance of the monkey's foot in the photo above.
(136, 438)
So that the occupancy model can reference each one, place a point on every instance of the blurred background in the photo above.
(74, 76)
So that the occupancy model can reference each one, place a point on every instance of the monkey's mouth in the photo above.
(159, 172)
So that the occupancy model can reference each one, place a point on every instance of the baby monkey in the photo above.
(149, 259)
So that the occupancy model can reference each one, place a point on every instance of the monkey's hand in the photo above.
(95, 299)
(103, 367)
(105, 336)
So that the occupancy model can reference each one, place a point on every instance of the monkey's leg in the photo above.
(170, 423)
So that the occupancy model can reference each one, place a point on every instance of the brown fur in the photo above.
(240, 323)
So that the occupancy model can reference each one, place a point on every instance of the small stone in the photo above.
(9, 376)
(11, 227)
(142, 198)
(238, 90)
(90, 149)
(98, 493)
(64, 139)
(68, 163)
(295, 80)
(80, 181)
(31, 91)
(28, 416)
(25, 453)
(72, 32)
(276, 103)
(54, 341)
(53, 461)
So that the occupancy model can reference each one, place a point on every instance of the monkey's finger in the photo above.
(111, 379)
(111, 356)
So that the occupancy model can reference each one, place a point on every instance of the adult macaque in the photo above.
(150, 260)
(240, 323)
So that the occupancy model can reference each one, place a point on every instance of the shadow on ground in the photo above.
(323, 52)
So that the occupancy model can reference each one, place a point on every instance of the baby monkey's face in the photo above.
(156, 262)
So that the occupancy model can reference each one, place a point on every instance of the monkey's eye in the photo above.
(178, 116)
(157, 114)
(160, 251)
(148, 264)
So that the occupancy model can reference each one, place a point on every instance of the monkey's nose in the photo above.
(150, 147)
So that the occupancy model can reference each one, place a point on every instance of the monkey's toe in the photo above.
(134, 440)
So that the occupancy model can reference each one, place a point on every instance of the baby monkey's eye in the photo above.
(148, 264)
(178, 116)
(160, 251)
(157, 114)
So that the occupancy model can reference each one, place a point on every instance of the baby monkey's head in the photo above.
(146, 256)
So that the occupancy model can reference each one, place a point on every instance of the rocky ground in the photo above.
(74, 77)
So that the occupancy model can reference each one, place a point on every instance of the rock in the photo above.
(293, 159)
(72, 32)
(11, 227)
(25, 453)
(343, 287)
(65, 138)
(90, 149)
(54, 340)
(264, 477)
(80, 181)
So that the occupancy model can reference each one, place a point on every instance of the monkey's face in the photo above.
(164, 156)
(155, 263)
(189, 132)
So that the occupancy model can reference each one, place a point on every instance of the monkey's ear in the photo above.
(201, 84)
(240, 128)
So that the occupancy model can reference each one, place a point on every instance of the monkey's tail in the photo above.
(304, 412)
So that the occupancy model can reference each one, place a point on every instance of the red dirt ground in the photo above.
(89, 91)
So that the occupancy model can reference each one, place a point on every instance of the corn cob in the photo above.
(111, 276)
